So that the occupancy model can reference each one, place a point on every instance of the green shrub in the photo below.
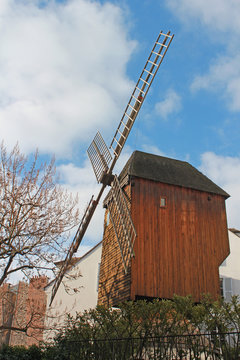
(20, 353)
(95, 331)
(92, 335)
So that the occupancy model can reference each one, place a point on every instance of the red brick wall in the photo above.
(19, 315)
(36, 308)
(7, 301)
(23, 305)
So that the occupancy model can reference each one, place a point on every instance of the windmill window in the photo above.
(226, 288)
(163, 202)
(221, 288)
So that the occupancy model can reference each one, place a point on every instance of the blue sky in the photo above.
(68, 68)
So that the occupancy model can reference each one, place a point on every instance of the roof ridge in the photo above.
(170, 171)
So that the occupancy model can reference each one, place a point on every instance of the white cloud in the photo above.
(152, 149)
(221, 22)
(62, 70)
(223, 75)
(225, 172)
(170, 105)
(219, 15)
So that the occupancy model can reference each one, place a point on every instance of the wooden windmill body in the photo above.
(180, 220)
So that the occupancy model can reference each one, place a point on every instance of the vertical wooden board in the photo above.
(201, 247)
(145, 239)
(212, 206)
(176, 247)
(149, 266)
(132, 212)
(196, 231)
(135, 275)
(186, 246)
(201, 250)
(155, 241)
(222, 234)
(153, 249)
(193, 280)
(222, 250)
(172, 205)
(163, 244)
(139, 220)
(177, 243)
(157, 234)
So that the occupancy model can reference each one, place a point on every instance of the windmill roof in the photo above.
(169, 171)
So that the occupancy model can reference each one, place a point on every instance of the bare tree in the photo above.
(36, 214)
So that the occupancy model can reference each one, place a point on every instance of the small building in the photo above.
(22, 312)
(230, 268)
(182, 238)
(78, 291)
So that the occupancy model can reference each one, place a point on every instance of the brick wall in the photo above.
(19, 315)
(7, 301)
(23, 306)
(36, 309)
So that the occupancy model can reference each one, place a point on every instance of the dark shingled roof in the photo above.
(169, 171)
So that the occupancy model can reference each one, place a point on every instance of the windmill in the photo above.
(103, 163)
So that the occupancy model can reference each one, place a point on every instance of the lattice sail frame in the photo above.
(99, 156)
(122, 222)
(75, 245)
(139, 93)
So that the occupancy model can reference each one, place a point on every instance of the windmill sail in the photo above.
(139, 93)
(99, 156)
(122, 222)
(103, 164)
(75, 244)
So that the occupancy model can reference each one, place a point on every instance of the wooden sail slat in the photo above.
(99, 156)
(122, 223)
(143, 85)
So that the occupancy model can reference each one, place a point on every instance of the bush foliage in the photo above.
(20, 353)
(157, 318)
(139, 320)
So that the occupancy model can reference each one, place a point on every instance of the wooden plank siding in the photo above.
(179, 247)
(114, 283)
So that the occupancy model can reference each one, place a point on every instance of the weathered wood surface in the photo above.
(178, 248)
(114, 283)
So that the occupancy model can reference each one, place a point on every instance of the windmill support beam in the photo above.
(76, 241)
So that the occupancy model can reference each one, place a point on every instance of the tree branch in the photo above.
(13, 328)
(5, 272)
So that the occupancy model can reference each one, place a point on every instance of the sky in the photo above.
(68, 68)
